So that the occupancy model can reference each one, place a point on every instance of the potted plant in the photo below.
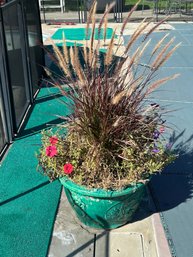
(113, 142)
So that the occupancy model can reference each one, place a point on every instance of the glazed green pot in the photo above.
(104, 209)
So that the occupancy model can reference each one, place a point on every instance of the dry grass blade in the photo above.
(92, 33)
(90, 17)
(85, 51)
(65, 50)
(134, 85)
(157, 83)
(125, 23)
(142, 51)
(133, 58)
(93, 61)
(154, 27)
(91, 45)
(167, 56)
(105, 25)
(109, 54)
(158, 45)
(141, 28)
(118, 97)
(61, 60)
(116, 123)
(103, 18)
(72, 58)
(91, 57)
(77, 66)
(128, 17)
(161, 54)
(47, 71)
(75, 63)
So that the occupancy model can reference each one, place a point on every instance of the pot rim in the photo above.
(98, 192)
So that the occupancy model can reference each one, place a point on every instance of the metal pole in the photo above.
(44, 15)
(115, 11)
(118, 11)
(78, 8)
(156, 9)
(85, 11)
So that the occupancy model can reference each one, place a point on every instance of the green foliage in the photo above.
(96, 165)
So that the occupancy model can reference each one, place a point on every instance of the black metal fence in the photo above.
(77, 10)
(21, 64)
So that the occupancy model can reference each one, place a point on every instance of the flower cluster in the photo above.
(51, 151)
(115, 167)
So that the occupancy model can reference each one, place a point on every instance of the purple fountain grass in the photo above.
(111, 134)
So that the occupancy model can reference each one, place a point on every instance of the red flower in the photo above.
(51, 151)
(68, 168)
(53, 140)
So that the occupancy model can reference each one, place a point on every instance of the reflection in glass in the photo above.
(15, 63)
(34, 39)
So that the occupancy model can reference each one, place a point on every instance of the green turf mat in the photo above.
(80, 34)
(26, 222)
(28, 202)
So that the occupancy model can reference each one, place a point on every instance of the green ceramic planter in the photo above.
(100, 208)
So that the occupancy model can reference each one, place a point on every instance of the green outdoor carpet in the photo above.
(80, 34)
(28, 202)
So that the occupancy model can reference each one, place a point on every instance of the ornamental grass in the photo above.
(115, 134)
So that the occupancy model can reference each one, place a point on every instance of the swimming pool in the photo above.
(79, 34)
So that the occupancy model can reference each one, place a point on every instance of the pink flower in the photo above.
(53, 140)
(162, 130)
(51, 151)
(68, 168)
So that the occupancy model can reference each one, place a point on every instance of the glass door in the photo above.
(17, 61)
(34, 40)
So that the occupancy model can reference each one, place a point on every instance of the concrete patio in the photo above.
(144, 237)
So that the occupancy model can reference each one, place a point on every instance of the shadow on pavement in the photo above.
(174, 185)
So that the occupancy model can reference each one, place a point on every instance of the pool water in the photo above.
(80, 34)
